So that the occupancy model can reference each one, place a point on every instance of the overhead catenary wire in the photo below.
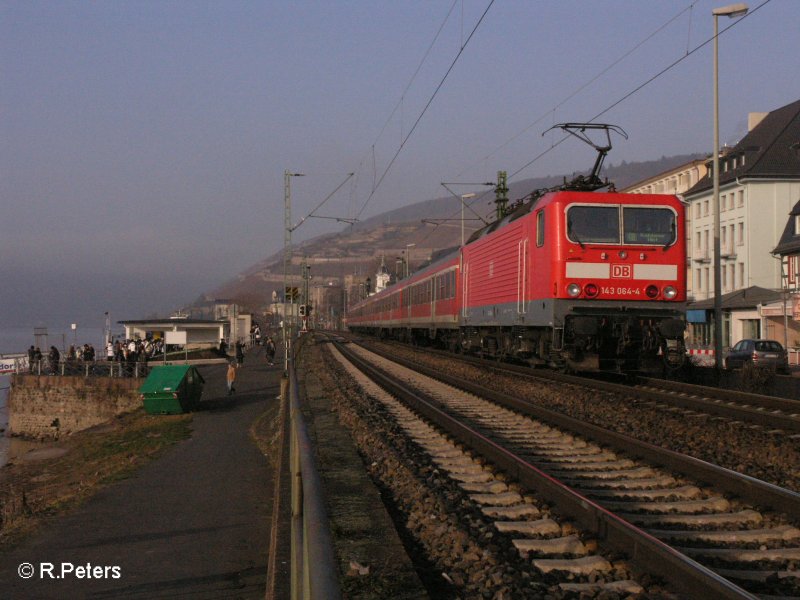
(424, 110)
(577, 91)
(635, 90)
(641, 86)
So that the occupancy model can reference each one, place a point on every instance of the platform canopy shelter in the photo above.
(200, 333)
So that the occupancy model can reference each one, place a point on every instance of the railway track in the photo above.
(663, 512)
(777, 414)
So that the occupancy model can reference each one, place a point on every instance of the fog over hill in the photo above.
(414, 233)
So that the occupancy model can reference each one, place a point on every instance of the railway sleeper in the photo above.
(685, 492)
(744, 555)
(620, 484)
(540, 527)
(716, 504)
(569, 544)
(584, 565)
(594, 589)
(748, 536)
(755, 575)
(517, 511)
(577, 459)
(740, 518)
(609, 465)
(620, 475)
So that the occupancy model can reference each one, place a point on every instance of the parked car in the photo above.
(759, 353)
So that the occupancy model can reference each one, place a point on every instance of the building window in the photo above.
(706, 245)
(730, 201)
(724, 272)
(741, 276)
(705, 208)
(698, 247)
(698, 279)
(697, 211)
(797, 224)
(742, 161)
(722, 202)
(740, 239)
(741, 198)
(732, 269)
(708, 280)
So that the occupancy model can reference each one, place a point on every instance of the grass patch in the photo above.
(31, 491)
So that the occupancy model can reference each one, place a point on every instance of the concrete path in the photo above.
(193, 524)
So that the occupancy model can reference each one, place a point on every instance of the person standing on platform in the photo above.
(230, 377)
(239, 353)
(270, 349)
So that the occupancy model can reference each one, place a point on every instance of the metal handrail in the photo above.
(315, 574)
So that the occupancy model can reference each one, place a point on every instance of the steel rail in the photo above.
(786, 405)
(649, 553)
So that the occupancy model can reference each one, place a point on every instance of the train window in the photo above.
(540, 228)
(595, 224)
(644, 225)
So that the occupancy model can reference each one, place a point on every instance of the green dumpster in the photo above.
(171, 389)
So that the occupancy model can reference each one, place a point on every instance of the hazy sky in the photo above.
(143, 144)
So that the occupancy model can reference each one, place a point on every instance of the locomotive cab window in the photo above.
(644, 225)
(594, 223)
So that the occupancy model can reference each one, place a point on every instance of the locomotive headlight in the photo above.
(670, 292)
(591, 290)
(623, 255)
(573, 290)
(651, 291)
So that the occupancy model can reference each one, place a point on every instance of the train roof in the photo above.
(523, 208)
(437, 260)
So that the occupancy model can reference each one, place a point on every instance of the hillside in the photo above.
(356, 252)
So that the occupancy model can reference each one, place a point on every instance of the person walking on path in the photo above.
(230, 377)
(239, 353)
(270, 349)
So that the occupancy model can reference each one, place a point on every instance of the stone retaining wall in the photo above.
(49, 407)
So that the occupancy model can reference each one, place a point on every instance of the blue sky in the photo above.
(144, 143)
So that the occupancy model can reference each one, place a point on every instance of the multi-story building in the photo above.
(759, 183)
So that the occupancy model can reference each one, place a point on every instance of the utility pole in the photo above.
(287, 260)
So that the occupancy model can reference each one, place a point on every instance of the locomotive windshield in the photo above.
(648, 225)
(600, 224)
(593, 224)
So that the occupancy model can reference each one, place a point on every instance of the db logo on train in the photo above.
(621, 271)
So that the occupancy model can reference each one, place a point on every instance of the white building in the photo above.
(759, 185)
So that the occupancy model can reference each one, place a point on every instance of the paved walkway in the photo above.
(193, 524)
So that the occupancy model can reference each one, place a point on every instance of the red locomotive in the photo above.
(576, 279)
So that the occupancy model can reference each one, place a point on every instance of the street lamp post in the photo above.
(287, 259)
(732, 10)
(408, 258)
(464, 197)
